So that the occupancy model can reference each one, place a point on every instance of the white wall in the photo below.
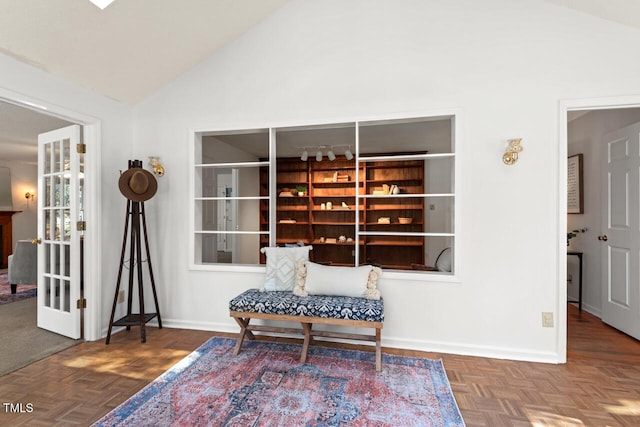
(24, 177)
(585, 135)
(503, 65)
(23, 82)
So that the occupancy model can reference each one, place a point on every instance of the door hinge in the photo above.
(81, 303)
(81, 148)
(81, 225)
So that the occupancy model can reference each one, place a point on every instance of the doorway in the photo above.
(587, 122)
(92, 329)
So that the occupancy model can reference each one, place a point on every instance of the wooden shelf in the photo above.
(336, 184)
(334, 223)
(313, 222)
(340, 209)
(393, 243)
(318, 242)
(292, 209)
(133, 319)
(393, 224)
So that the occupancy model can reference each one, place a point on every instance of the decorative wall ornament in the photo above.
(158, 169)
(511, 155)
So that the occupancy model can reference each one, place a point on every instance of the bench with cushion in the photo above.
(296, 290)
(308, 310)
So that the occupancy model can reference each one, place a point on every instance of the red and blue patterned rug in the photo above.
(22, 292)
(266, 385)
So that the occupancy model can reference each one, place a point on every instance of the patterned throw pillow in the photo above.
(281, 267)
(316, 279)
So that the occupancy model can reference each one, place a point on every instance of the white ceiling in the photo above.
(621, 11)
(134, 47)
(130, 49)
(19, 130)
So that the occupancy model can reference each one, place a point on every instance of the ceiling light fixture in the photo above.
(348, 154)
(101, 3)
(321, 149)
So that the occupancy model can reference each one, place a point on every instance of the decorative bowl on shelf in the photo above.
(384, 220)
(403, 220)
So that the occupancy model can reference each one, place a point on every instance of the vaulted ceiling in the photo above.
(133, 47)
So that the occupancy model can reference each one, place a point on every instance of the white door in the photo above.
(59, 208)
(620, 236)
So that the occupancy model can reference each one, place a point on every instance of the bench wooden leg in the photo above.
(378, 350)
(308, 339)
(243, 323)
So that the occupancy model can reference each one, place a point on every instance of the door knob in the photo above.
(36, 241)
(604, 238)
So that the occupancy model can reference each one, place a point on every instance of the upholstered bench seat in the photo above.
(335, 307)
(308, 310)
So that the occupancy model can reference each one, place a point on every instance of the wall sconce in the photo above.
(156, 166)
(30, 195)
(511, 154)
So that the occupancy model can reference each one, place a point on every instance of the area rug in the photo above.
(23, 291)
(266, 385)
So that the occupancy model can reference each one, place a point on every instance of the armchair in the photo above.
(23, 265)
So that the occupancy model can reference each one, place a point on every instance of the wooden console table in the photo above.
(579, 255)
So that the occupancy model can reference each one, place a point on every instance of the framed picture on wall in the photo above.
(575, 202)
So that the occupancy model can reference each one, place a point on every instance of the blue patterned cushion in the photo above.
(335, 307)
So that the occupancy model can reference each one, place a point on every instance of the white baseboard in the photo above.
(473, 350)
(399, 343)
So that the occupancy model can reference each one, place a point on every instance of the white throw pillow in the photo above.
(333, 280)
(443, 262)
(281, 267)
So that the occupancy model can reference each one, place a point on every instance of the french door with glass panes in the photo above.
(60, 182)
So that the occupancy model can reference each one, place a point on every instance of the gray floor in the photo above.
(23, 342)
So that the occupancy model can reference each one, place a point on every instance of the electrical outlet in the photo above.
(121, 296)
(432, 207)
(547, 319)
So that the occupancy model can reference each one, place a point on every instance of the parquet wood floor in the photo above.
(598, 386)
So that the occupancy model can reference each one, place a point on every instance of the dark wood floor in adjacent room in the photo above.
(599, 386)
